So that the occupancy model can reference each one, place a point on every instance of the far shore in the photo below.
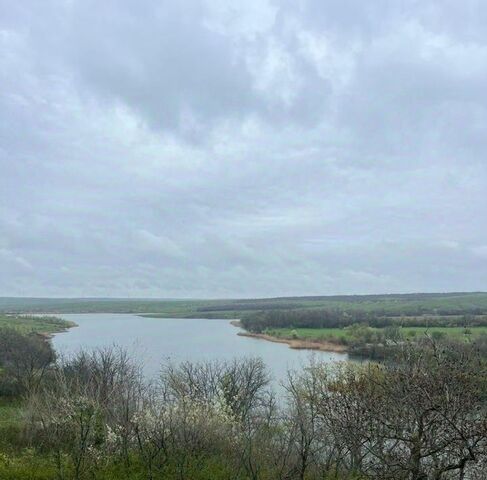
(295, 344)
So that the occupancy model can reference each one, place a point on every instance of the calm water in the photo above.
(155, 340)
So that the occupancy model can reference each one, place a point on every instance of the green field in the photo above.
(391, 304)
(344, 333)
(308, 333)
(37, 324)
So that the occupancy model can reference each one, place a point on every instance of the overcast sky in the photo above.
(220, 148)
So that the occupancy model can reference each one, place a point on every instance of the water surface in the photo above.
(156, 340)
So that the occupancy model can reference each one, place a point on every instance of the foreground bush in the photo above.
(421, 417)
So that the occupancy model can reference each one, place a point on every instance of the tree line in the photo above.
(95, 416)
(338, 318)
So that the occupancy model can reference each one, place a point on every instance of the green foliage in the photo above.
(361, 333)
(26, 465)
(437, 335)
(393, 333)
(34, 324)
(31, 465)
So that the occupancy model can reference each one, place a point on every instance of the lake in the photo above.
(156, 340)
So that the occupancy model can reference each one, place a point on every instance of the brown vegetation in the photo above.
(324, 346)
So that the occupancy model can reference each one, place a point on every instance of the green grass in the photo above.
(400, 304)
(29, 324)
(10, 412)
(308, 333)
(11, 424)
(343, 333)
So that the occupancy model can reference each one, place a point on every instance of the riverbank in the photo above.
(295, 344)
(43, 325)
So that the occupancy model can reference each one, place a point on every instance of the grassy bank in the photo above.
(347, 334)
(45, 325)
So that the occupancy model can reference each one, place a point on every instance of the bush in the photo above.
(96, 417)
(24, 359)
(437, 335)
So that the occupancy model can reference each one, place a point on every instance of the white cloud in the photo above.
(480, 251)
(157, 244)
(245, 149)
(17, 261)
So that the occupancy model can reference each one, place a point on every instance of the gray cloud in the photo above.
(202, 148)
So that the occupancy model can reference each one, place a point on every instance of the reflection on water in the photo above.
(155, 340)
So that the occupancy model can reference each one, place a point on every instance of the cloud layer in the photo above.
(203, 148)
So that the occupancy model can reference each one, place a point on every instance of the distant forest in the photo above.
(321, 318)
(411, 304)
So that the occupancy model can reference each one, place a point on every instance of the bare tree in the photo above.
(24, 359)
(239, 383)
(307, 430)
(426, 414)
(86, 398)
(420, 417)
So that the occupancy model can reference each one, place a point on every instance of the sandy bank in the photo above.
(296, 344)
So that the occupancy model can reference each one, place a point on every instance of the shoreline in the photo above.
(50, 335)
(61, 328)
(295, 344)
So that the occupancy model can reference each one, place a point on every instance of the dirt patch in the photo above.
(298, 344)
